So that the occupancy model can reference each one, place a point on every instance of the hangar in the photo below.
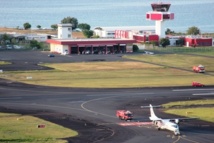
(90, 46)
(65, 44)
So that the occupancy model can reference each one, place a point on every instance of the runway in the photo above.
(92, 111)
(99, 106)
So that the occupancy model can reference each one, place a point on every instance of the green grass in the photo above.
(188, 103)
(17, 128)
(182, 108)
(205, 114)
(123, 74)
(109, 75)
(208, 51)
(177, 60)
(4, 63)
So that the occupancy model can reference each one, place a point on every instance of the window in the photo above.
(110, 33)
(69, 35)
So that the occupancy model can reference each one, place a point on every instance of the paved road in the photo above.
(99, 105)
(29, 60)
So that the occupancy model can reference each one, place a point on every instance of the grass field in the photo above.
(4, 63)
(189, 103)
(109, 75)
(205, 114)
(177, 60)
(127, 74)
(183, 108)
(38, 31)
(208, 51)
(16, 128)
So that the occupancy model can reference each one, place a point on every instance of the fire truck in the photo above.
(198, 69)
(197, 84)
(124, 115)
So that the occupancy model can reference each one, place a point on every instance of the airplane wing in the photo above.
(155, 119)
(178, 120)
(183, 119)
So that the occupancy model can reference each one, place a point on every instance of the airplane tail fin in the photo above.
(152, 114)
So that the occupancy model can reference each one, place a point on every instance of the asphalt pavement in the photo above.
(96, 108)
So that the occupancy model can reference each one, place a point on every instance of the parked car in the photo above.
(51, 55)
(86, 52)
(149, 53)
(9, 47)
(16, 47)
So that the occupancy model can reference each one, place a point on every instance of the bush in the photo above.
(35, 44)
(164, 42)
(135, 48)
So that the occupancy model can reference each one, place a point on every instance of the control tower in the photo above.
(159, 15)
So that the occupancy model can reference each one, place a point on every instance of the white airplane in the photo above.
(167, 124)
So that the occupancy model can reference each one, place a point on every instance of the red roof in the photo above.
(90, 41)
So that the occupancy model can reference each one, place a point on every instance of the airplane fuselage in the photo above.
(167, 125)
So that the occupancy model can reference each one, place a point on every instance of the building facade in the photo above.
(64, 31)
(109, 32)
(90, 46)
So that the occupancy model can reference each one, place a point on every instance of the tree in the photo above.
(54, 26)
(84, 26)
(88, 33)
(35, 44)
(5, 39)
(39, 26)
(164, 42)
(193, 31)
(135, 48)
(26, 25)
(180, 42)
(169, 31)
(71, 20)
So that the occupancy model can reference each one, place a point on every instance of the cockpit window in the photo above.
(175, 126)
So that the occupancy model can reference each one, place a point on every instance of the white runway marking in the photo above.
(192, 89)
(39, 105)
(103, 98)
(203, 94)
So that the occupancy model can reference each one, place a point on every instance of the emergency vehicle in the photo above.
(198, 69)
(197, 84)
(124, 115)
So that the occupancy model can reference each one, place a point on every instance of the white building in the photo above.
(109, 32)
(38, 37)
(64, 31)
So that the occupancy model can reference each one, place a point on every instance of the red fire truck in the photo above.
(124, 115)
(197, 84)
(198, 69)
